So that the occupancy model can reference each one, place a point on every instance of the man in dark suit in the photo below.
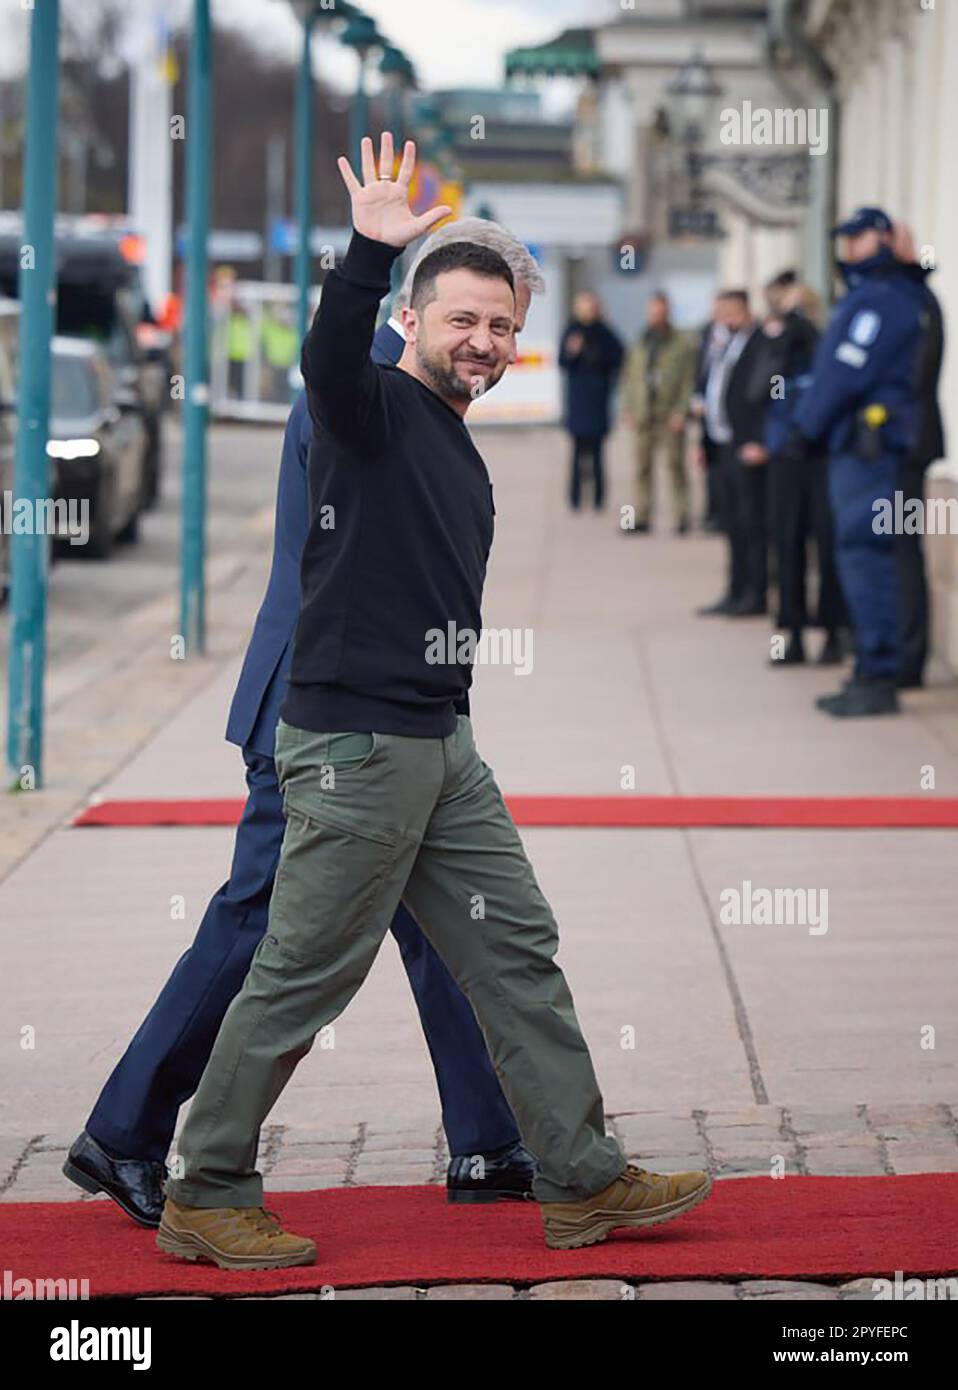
(736, 399)
(712, 343)
(799, 507)
(129, 1132)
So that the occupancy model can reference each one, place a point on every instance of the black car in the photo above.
(96, 450)
(99, 296)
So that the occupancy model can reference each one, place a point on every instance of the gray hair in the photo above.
(483, 233)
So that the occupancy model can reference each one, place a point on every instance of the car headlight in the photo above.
(72, 448)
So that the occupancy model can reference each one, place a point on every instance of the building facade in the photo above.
(810, 108)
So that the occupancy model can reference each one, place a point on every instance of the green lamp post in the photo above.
(398, 75)
(28, 567)
(362, 35)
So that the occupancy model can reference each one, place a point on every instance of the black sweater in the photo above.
(401, 523)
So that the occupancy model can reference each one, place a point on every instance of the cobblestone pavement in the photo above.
(864, 1140)
(860, 1141)
(584, 1290)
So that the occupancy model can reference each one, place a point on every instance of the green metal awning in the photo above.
(572, 54)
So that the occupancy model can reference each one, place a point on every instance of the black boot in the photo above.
(861, 697)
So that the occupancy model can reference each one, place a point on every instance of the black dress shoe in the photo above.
(862, 696)
(504, 1175)
(715, 610)
(793, 655)
(748, 606)
(135, 1184)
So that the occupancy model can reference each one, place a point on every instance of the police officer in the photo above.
(862, 405)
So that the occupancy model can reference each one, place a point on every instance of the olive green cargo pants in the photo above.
(649, 438)
(372, 819)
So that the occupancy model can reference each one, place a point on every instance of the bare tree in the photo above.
(94, 104)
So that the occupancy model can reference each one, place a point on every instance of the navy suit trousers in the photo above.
(137, 1110)
(867, 558)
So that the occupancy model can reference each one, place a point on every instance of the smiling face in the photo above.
(462, 340)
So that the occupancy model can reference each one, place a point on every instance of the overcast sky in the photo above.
(453, 43)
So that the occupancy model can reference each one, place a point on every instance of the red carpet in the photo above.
(793, 1228)
(824, 812)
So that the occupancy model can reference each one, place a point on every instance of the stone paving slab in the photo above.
(777, 1289)
(928, 1142)
(626, 969)
(595, 1290)
(579, 1290)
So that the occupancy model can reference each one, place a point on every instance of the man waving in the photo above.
(386, 796)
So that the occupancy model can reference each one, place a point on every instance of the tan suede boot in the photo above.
(231, 1237)
(637, 1198)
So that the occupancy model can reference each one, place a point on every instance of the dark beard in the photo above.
(446, 382)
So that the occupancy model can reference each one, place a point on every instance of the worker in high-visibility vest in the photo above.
(239, 349)
(280, 350)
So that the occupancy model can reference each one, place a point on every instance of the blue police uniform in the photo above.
(862, 405)
(137, 1109)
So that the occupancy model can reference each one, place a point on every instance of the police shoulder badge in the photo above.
(864, 327)
(851, 355)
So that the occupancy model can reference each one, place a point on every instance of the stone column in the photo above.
(925, 100)
(897, 132)
(735, 250)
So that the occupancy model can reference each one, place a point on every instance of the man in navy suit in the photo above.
(122, 1149)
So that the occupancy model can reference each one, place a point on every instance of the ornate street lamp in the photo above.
(693, 94)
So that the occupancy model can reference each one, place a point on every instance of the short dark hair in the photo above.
(660, 295)
(782, 280)
(456, 255)
(740, 295)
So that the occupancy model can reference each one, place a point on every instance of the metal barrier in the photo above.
(254, 350)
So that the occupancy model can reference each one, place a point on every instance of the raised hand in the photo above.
(380, 204)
